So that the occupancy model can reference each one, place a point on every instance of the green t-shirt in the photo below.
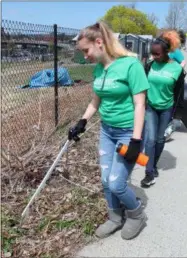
(116, 86)
(162, 78)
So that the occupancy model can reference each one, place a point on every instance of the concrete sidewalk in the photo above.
(166, 207)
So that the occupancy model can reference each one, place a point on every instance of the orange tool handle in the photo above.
(142, 158)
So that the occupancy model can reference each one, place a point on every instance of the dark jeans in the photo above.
(155, 126)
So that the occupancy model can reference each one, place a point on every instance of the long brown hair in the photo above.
(112, 45)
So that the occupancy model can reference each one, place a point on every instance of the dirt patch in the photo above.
(69, 208)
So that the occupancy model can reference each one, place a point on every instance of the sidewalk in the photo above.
(166, 207)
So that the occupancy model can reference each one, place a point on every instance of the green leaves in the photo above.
(127, 20)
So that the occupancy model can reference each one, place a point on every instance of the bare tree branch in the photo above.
(153, 18)
(132, 5)
(177, 16)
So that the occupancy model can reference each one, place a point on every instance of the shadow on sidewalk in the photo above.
(182, 129)
(167, 161)
(140, 193)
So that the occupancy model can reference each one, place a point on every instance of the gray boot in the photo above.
(110, 226)
(136, 220)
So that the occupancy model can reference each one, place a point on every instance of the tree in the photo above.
(153, 18)
(127, 20)
(132, 5)
(177, 16)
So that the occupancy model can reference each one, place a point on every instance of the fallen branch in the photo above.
(83, 187)
(7, 157)
(83, 164)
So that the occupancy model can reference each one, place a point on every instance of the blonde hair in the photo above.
(101, 30)
(173, 38)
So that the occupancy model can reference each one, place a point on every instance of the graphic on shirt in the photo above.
(115, 86)
(162, 73)
(108, 83)
(162, 78)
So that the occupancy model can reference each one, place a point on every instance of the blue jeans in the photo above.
(155, 126)
(114, 169)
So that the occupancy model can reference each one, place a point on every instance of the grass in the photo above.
(43, 224)
(61, 224)
(82, 72)
(22, 75)
(14, 98)
(77, 72)
(10, 231)
(29, 64)
(88, 228)
(46, 256)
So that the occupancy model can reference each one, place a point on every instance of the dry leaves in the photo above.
(65, 213)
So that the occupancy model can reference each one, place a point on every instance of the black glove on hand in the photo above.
(76, 130)
(133, 150)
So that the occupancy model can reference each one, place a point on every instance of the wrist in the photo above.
(136, 139)
(83, 121)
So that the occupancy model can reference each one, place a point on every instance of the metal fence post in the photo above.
(138, 47)
(56, 74)
(125, 40)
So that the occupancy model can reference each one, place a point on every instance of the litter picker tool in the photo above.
(49, 172)
(42, 184)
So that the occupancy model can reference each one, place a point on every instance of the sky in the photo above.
(72, 14)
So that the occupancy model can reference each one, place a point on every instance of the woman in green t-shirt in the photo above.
(164, 79)
(119, 91)
(178, 56)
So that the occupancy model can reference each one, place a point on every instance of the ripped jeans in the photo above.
(114, 169)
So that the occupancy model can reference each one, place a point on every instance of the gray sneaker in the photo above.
(172, 127)
(169, 131)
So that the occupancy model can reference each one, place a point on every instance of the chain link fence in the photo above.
(30, 114)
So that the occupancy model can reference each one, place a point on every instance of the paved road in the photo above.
(166, 207)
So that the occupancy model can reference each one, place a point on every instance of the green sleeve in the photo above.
(177, 72)
(137, 78)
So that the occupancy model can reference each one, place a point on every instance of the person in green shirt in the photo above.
(178, 56)
(119, 92)
(163, 76)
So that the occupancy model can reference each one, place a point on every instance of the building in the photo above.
(139, 44)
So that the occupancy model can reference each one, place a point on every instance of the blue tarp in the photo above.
(45, 78)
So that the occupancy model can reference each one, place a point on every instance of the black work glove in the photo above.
(133, 150)
(76, 130)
